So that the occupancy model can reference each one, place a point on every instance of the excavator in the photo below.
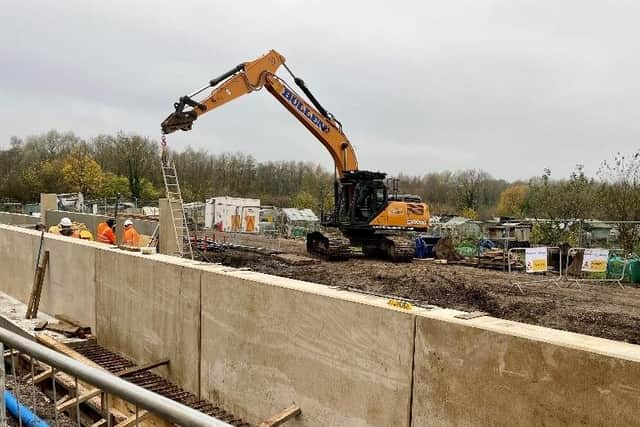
(365, 213)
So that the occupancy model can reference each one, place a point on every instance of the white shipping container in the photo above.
(232, 214)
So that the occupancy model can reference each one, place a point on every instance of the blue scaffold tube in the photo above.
(29, 419)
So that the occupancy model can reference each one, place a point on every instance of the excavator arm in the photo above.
(252, 76)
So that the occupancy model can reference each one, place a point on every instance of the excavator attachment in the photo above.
(180, 119)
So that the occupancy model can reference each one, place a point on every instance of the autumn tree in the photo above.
(304, 200)
(81, 172)
(513, 201)
(114, 185)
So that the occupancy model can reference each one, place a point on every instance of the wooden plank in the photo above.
(77, 400)
(68, 319)
(36, 292)
(131, 421)
(145, 367)
(66, 350)
(43, 376)
(281, 417)
(99, 423)
(64, 328)
(43, 271)
(41, 326)
(471, 315)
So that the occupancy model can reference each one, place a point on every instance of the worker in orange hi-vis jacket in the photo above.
(131, 236)
(105, 232)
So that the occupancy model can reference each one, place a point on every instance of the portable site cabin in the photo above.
(232, 214)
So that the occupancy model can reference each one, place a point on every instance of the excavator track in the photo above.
(330, 245)
(399, 249)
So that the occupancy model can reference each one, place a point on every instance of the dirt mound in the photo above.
(444, 249)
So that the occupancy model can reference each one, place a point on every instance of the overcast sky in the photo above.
(508, 86)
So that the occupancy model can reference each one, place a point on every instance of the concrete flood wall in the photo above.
(269, 343)
(256, 343)
(149, 309)
(18, 219)
(69, 286)
(488, 371)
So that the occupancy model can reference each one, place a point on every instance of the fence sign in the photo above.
(595, 260)
(536, 260)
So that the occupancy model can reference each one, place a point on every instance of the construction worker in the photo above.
(131, 236)
(64, 227)
(82, 233)
(164, 156)
(106, 233)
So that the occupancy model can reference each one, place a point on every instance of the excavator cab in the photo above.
(360, 197)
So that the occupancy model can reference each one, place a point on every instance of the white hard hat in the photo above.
(65, 222)
(128, 222)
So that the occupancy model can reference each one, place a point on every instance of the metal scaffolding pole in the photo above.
(152, 402)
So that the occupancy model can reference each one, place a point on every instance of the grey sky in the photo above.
(508, 86)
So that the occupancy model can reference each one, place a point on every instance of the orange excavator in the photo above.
(365, 214)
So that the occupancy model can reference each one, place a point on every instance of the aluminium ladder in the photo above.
(178, 217)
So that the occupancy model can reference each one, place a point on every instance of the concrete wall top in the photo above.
(18, 219)
(543, 334)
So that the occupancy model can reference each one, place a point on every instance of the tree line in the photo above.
(128, 164)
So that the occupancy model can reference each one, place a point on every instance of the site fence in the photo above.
(536, 263)
(582, 233)
(68, 384)
(591, 264)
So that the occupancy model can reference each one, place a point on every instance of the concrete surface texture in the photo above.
(69, 284)
(48, 202)
(488, 371)
(257, 343)
(270, 346)
(168, 243)
(149, 309)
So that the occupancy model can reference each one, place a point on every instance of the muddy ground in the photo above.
(599, 309)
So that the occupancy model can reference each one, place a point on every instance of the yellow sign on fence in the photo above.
(595, 260)
(536, 260)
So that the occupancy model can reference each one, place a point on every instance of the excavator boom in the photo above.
(253, 76)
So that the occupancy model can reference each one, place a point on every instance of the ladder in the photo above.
(178, 218)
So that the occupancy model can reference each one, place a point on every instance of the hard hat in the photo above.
(65, 222)
(128, 222)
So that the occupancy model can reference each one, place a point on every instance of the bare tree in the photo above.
(620, 195)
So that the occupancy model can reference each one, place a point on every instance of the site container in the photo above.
(232, 214)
